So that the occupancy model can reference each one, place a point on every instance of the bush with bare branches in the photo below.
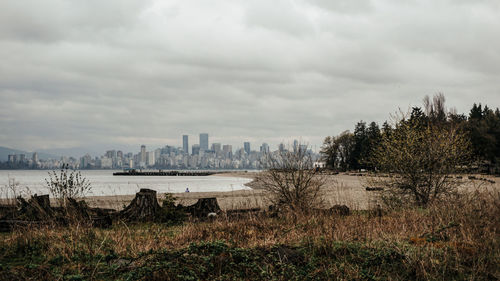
(291, 180)
(68, 184)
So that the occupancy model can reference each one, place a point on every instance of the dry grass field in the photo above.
(456, 239)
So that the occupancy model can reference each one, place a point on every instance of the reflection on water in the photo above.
(104, 183)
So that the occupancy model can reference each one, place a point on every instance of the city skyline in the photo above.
(218, 156)
(236, 143)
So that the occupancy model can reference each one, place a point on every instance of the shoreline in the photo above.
(343, 189)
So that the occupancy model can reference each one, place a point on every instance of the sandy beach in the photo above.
(345, 188)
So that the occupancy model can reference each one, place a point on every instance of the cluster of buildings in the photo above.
(202, 155)
(32, 161)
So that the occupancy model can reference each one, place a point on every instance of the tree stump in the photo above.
(36, 209)
(144, 207)
(203, 207)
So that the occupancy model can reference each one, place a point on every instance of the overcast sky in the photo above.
(120, 73)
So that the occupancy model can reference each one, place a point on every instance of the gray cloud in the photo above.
(123, 73)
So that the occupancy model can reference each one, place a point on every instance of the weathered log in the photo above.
(144, 207)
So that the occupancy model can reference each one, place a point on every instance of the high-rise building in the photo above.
(282, 147)
(246, 146)
(143, 154)
(35, 159)
(295, 145)
(12, 158)
(195, 150)
(264, 148)
(185, 144)
(227, 149)
(216, 147)
(111, 154)
(85, 161)
(204, 141)
(150, 158)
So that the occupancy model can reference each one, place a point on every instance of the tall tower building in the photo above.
(185, 144)
(281, 147)
(196, 149)
(246, 145)
(295, 145)
(227, 149)
(216, 147)
(264, 148)
(143, 154)
(204, 141)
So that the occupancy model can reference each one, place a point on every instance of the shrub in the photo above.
(68, 184)
(420, 158)
(291, 179)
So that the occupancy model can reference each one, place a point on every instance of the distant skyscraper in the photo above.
(303, 147)
(282, 147)
(227, 149)
(35, 159)
(111, 154)
(151, 158)
(295, 145)
(143, 154)
(185, 144)
(195, 149)
(216, 147)
(12, 158)
(246, 145)
(204, 141)
(264, 148)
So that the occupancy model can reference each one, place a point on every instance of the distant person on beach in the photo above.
(187, 189)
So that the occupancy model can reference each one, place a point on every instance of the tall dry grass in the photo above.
(461, 233)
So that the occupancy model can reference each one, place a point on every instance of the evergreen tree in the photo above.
(360, 150)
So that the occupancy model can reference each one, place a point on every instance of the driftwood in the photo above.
(144, 207)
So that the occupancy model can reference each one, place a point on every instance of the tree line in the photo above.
(481, 127)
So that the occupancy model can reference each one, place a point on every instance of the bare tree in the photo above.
(291, 179)
(435, 109)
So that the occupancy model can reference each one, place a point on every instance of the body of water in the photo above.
(104, 183)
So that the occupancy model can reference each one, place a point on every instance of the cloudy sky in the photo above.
(120, 73)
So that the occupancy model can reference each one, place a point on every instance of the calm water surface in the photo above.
(104, 183)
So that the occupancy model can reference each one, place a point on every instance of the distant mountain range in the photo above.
(5, 151)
